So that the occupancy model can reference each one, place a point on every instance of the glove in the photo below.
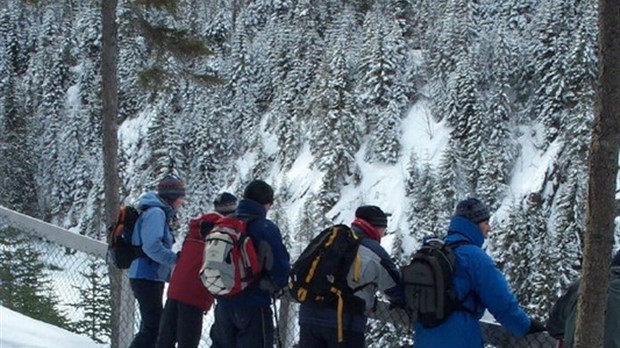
(536, 326)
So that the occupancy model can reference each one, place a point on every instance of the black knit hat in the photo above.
(225, 203)
(473, 209)
(616, 260)
(373, 215)
(170, 188)
(259, 191)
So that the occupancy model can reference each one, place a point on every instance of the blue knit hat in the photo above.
(170, 188)
(225, 203)
(473, 209)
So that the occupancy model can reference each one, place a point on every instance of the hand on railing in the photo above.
(536, 326)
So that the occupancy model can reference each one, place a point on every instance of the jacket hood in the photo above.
(463, 229)
(151, 199)
(247, 207)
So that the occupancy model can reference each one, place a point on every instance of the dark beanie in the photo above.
(373, 215)
(170, 188)
(259, 191)
(616, 260)
(225, 203)
(473, 209)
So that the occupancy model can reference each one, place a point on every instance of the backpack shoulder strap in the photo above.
(460, 303)
(457, 244)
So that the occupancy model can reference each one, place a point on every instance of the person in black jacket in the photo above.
(319, 325)
(561, 323)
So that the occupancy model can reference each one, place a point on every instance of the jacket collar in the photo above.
(367, 229)
(248, 207)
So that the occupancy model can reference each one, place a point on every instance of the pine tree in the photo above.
(334, 136)
(581, 69)
(466, 119)
(569, 229)
(449, 180)
(450, 44)
(243, 86)
(536, 234)
(17, 171)
(210, 153)
(501, 150)
(50, 74)
(164, 139)
(95, 304)
(381, 98)
(27, 287)
(133, 55)
(310, 223)
(512, 253)
(550, 66)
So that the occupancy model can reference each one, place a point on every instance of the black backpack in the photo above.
(428, 281)
(320, 273)
(120, 250)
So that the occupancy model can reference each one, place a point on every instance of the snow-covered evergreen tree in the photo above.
(27, 285)
(335, 135)
(95, 304)
(380, 98)
(549, 64)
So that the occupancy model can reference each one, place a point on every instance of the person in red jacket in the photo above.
(188, 299)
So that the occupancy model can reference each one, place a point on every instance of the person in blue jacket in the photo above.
(148, 274)
(479, 285)
(245, 320)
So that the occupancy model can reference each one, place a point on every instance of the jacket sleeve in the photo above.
(274, 258)
(390, 282)
(152, 229)
(382, 271)
(495, 294)
(561, 311)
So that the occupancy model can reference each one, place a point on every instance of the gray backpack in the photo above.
(429, 290)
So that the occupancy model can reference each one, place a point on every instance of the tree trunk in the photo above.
(603, 171)
(109, 95)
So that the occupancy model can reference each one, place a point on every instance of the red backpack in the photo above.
(230, 263)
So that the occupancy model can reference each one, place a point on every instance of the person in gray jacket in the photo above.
(318, 325)
(561, 323)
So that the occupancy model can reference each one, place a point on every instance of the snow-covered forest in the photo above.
(408, 104)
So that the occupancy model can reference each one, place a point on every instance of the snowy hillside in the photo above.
(19, 331)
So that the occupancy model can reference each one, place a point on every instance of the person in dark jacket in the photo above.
(188, 299)
(245, 320)
(479, 285)
(319, 325)
(561, 323)
(148, 274)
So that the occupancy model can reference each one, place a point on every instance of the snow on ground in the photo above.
(20, 331)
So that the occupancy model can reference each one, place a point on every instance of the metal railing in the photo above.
(71, 262)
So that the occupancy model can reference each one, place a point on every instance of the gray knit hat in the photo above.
(473, 209)
(225, 203)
